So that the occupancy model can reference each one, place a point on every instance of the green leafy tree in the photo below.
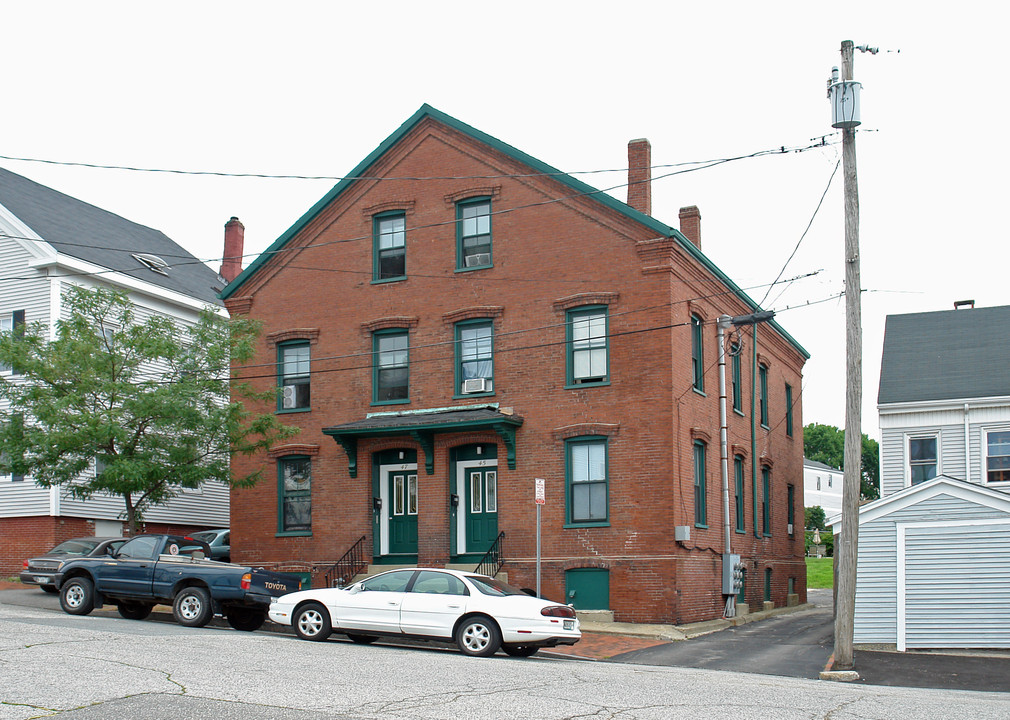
(136, 409)
(826, 444)
(813, 517)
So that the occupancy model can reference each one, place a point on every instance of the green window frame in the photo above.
(473, 234)
(474, 358)
(587, 484)
(698, 353)
(390, 367)
(294, 495)
(791, 508)
(389, 247)
(763, 380)
(294, 373)
(587, 331)
(789, 410)
(768, 584)
(737, 382)
(700, 505)
(739, 485)
(766, 501)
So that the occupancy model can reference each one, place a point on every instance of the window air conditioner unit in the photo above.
(475, 385)
(288, 397)
(478, 259)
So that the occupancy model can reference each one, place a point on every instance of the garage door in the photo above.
(954, 585)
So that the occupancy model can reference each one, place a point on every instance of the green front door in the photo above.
(588, 588)
(403, 511)
(481, 506)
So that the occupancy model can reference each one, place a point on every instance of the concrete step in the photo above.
(595, 616)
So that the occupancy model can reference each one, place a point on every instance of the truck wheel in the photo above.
(134, 610)
(478, 636)
(312, 622)
(77, 596)
(192, 607)
(245, 619)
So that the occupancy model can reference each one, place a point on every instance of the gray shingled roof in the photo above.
(98, 236)
(945, 355)
(395, 422)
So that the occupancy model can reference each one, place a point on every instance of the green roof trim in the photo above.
(581, 188)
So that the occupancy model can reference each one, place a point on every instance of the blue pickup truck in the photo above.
(171, 570)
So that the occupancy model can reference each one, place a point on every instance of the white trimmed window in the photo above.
(997, 456)
(923, 458)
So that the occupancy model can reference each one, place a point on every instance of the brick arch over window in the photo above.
(404, 206)
(306, 449)
(739, 450)
(310, 334)
(491, 191)
(698, 310)
(588, 564)
(584, 430)
(703, 435)
(489, 312)
(388, 323)
(767, 462)
(564, 304)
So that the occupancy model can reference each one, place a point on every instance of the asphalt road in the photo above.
(79, 668)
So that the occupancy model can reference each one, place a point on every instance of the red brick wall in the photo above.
(543, 254)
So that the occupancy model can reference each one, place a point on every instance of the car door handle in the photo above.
(454, 607)
(393, 604)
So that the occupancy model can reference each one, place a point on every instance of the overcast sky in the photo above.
(310, 88)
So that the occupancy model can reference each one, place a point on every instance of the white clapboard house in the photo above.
(49, 242)
(932, 562)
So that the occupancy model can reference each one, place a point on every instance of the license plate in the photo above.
(569, 624)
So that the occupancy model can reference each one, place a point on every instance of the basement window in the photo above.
(152, 263)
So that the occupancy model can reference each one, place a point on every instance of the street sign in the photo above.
(540, 495)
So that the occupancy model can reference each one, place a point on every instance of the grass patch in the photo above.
(820, 573)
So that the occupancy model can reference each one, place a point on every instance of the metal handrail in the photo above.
(494, 558)
(350, 564)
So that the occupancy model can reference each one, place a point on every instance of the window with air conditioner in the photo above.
(473, 233)
(293, 376)
(475, 357)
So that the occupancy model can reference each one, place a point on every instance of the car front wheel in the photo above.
(312, 622)
(478, 636)
(192, 607)
(77, 596)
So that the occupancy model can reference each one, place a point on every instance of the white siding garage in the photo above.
(953, 584)
(932, 570)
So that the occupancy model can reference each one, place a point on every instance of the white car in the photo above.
(479, 613)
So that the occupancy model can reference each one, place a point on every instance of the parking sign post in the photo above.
(539, 497)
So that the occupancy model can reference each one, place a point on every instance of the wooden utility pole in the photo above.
(845, 549)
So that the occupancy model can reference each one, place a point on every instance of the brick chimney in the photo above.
(234, 242)
(690, 224)
(640, 175)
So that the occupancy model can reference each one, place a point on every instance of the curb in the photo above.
(837, 675)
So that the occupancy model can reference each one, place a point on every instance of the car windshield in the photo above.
(75, 547)
(490, 586)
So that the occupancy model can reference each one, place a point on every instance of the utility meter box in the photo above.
(732, 574)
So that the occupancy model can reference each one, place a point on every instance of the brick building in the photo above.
(462, 319)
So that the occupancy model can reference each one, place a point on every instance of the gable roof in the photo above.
(75, 228)
(579, 187)
(947, 355)
(817, 465)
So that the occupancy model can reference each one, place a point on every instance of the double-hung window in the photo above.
(697, 353)
(293, 376)
(789, 410)
(922, 459)
(587, 481)
(391, 370)
(766, 500)
(763, 380)
(700, 510)
(738, 478)
(389, 247)
(734, 351)
(791, 508)
(294, 491)
(473, 233)
(997, 458)
(587, 346)
(474, 358)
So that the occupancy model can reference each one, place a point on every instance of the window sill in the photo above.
(383, 281)
(471, 269)
(579, 386)
(739, 412)
(702, 526)
(738, 531)
(605, 523)
(765, 426)
(288, 411)
(699, 392)
(473, 395)
(391, 402)
(294, 533)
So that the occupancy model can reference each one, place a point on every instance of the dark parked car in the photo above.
(41, 570)
(219, 541)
